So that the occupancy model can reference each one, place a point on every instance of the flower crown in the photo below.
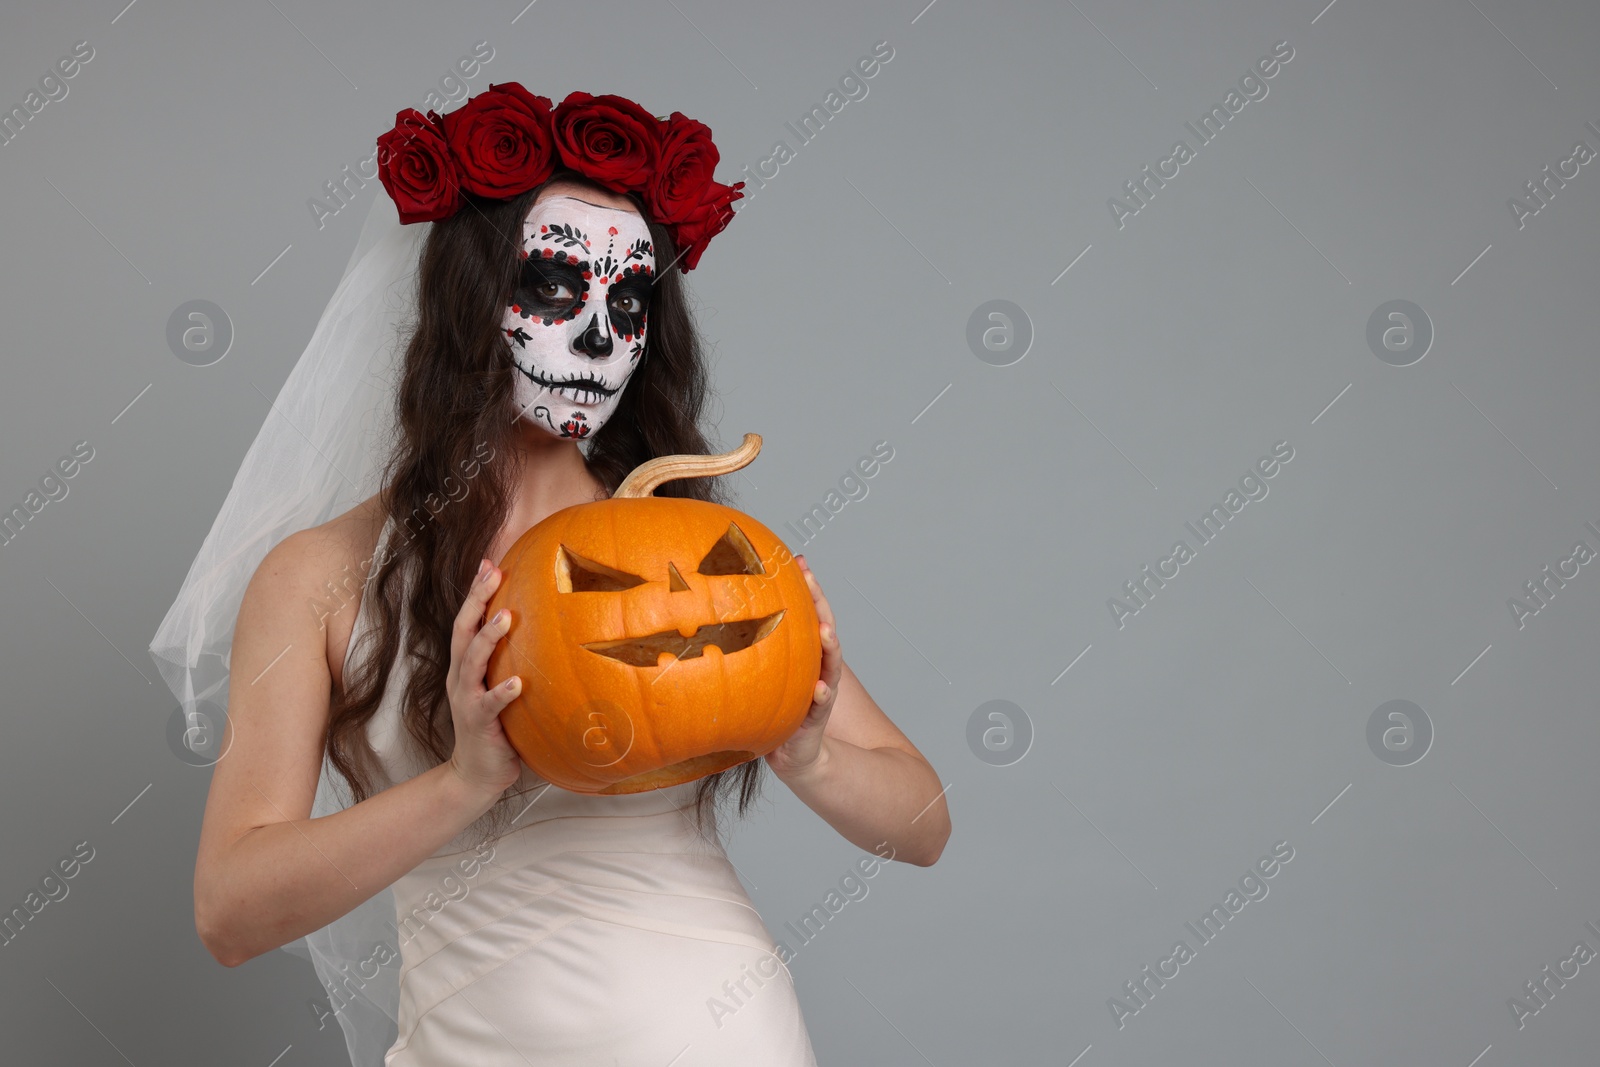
(505, 140)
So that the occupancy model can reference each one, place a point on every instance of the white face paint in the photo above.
(576, 323)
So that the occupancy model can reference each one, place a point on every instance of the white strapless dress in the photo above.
(600, 931)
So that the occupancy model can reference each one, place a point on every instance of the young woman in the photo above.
(533, 924)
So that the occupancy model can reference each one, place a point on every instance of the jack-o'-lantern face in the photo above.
(733, 554)
(658, 640)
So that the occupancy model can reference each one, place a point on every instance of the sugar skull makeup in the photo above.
(576, 322)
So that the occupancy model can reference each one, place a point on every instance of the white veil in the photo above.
(319, 452)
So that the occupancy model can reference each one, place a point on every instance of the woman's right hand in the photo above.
(483, 756)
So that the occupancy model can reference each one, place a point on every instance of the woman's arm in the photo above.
(851, 765)
(266, 873)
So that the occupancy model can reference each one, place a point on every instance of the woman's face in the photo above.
(576, 322)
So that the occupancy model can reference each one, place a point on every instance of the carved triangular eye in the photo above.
(578, 574)
(732, 554)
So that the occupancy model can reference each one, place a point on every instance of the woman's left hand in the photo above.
(802, 750)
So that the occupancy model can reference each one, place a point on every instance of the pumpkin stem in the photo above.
(644, 478)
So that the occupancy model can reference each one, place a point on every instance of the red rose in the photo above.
(692, 234)
(539, 105)
(607, 138)
(682, 180)
(501, 141)
(416, 168)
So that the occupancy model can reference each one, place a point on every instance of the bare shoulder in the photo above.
(321, 571)
(318, 554)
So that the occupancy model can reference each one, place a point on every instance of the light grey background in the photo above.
(1229, 314)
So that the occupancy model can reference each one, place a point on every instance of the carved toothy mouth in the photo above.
(728, 636)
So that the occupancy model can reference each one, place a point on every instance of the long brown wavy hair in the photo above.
(456, 417)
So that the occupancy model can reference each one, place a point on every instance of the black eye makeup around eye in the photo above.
(637, 289)
(537, 274)
(536, 270)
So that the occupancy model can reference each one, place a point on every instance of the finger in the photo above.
(824, 609)
(496, 699)
(470, 617)
(832, 657)
(827, 629)
(832, 669)
(475, 663)
(477, 712)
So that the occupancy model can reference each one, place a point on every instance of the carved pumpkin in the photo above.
(659, 639)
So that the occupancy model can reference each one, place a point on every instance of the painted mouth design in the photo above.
(582, 390)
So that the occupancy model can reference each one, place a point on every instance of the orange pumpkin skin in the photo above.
(622, 715)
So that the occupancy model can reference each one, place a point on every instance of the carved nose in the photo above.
(596, 338)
